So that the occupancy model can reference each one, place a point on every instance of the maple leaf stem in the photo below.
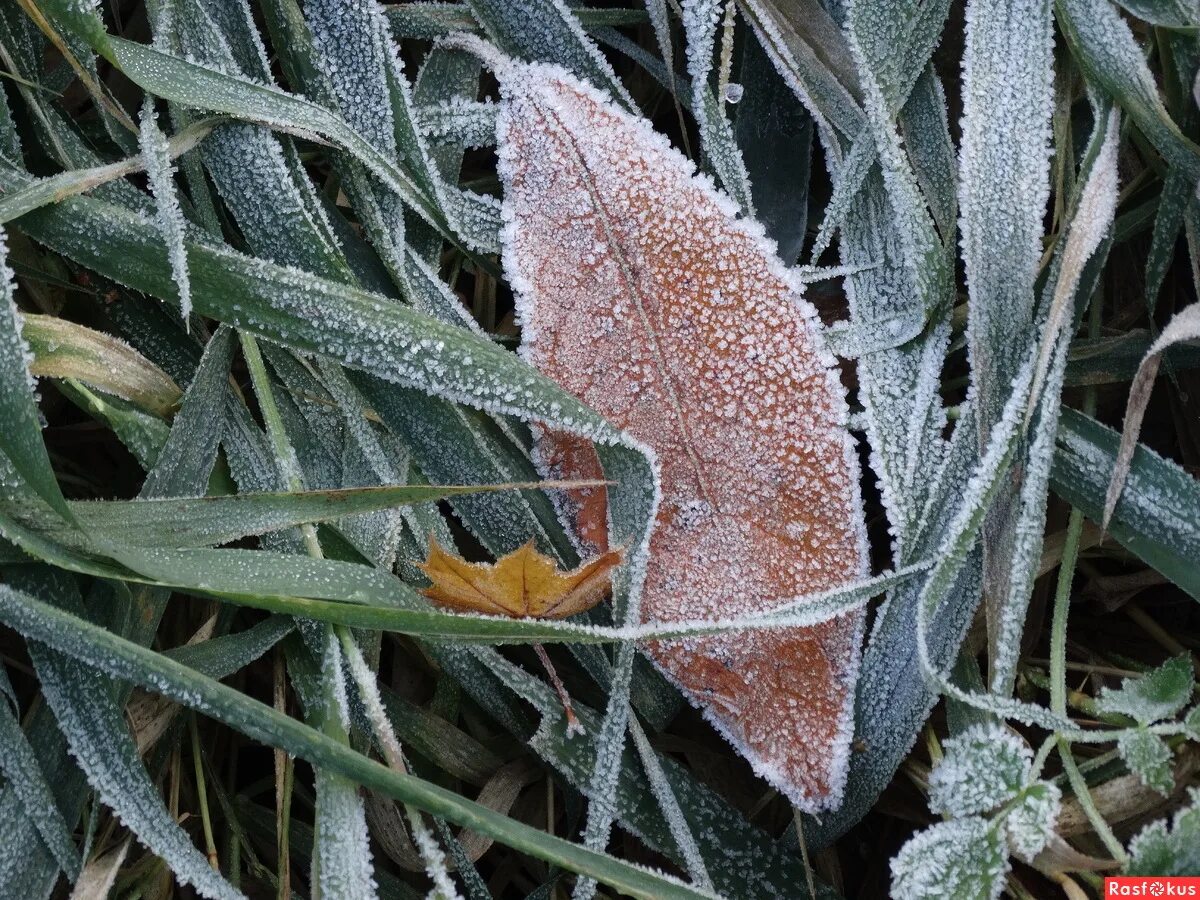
(573, 724)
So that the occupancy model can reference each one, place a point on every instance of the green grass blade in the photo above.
(19, 764)
(1112, 61)
(1158, 515)
(208, 521)
(21, 436)
(95, 646)
(186, 459)
(94, 725)
(547, 31)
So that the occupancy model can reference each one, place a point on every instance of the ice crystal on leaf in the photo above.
(1159, 851)
(960, 858)
(1148, 757)
(983, 767)
(640, 291)
(1031, 822)
(1157, 695)
(160, 172)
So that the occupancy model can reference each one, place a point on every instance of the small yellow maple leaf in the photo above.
(525, 583)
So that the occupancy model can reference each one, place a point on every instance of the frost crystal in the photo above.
(983, 767)
(641, 293)
(1157, 851)
(1031, 822)
(161, 173)
(960, 858)
(1148, 757)
(1154, 696)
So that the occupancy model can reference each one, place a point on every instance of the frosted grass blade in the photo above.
(95, 728)
(21, 437)
(94, 646)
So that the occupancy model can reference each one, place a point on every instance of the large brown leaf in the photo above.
(642, 294)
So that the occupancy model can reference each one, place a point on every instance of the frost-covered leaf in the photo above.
(640, 293)
(1192, 723)
(1162, 849)
(83, 702)
(207, 521)
(1030, 823)
(1111, 59)
(1148, 757)
(810, 53)
(983, 768)
(458, 122)
(548, 31)
(956, 859)
(21, 436)
(1015, 529)
(98, 647)
(1154, 696)
(160, 172)
(1158, 514)
(191, 448)
(700, 20)
(19, 765)
(1004, 184)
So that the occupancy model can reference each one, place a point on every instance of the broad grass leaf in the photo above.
(642, 294)
(1157, 514)
(19, 765)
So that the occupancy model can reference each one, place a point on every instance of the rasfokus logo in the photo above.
(1151, 886)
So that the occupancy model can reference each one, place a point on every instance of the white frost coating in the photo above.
(458, 122)
(1149, 758)
(160, 172)
(368, 689)
(331, 668)
(951, 860)
(349, 36)
(700, 18)
(1004, 184)
(923, 251)
(342, 855)
(677, 822)
(1030, 824)
(14, 349)
(1090, 223)
(984, 767)
(660, 247)
(99, 740)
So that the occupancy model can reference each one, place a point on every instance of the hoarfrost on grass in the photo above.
(160, 172)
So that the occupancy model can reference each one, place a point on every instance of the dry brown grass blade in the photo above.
(1185, 326)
